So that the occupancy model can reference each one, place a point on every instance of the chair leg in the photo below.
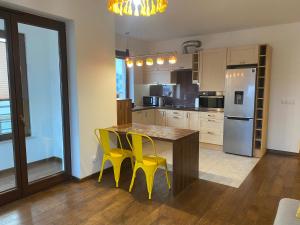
(149, 180)
(101, 170)
(167, 176)
(117, 170)
(133, 178)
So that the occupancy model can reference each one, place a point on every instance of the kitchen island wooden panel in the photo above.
(185, 150)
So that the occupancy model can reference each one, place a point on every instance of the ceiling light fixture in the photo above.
(137, 7)
(160, 61)
(149, 62)
(129, 63)
(139, 63)
(172, 59)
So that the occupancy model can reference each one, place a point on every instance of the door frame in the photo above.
(15, 17)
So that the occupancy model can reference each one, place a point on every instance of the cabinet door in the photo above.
(137, 117)
(160, 117)
(193, 121)
(243, 55)
(177, 119)
(157, 77)
(149, 117)
(212, 69)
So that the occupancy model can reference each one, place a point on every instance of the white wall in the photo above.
(284, 120)
(91, 46)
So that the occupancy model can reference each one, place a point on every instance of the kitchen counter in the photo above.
(140, 108)
(185, 150)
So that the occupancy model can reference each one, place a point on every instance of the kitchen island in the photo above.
(185, 150)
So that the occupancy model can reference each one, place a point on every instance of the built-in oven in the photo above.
(211, 99)
(151, 101)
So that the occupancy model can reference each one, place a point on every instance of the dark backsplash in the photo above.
(181, 94)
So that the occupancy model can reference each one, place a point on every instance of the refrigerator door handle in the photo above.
(239, 118)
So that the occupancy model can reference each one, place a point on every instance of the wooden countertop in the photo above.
(157, 132)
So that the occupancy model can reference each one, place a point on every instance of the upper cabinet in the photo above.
(212, 69)
(184, 61)
(243, 55)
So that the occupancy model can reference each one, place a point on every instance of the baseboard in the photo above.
(279, 152)
(94, 175)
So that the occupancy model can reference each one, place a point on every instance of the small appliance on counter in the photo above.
(150, 101)
(239, 111)
(161, 101)
(211, 99)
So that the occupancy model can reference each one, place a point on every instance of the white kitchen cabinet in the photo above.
(212, 69)
(243, 55)
(211, 127)
(193, 120)
(161, 117)
(137, 117)
(184, 61)
(144, 117)
(178, 119)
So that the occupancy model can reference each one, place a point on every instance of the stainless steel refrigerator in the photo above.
(239, 111)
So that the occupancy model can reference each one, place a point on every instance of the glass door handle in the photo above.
(22, 119)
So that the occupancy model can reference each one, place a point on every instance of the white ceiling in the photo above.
(196, 17)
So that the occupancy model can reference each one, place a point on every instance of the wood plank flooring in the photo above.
(203, 203)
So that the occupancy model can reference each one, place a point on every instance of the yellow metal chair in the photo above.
(148, 163)
(115, 155)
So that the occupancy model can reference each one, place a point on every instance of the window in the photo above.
(5, 113)
(121, 78)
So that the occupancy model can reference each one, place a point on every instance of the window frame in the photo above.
(123, 55)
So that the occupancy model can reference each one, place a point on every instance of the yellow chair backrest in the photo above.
(103, 136)
(136, 144)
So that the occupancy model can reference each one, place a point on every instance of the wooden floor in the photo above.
(36, 171)
(254, 203)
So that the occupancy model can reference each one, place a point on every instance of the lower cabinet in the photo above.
(177, 118)
(211, 128)
(209, 124)
(160, 117)
(144, 117)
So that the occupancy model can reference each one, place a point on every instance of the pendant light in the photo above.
(160, 60)
(149, 62)
(172, 59)
(139, 63)
(137, 7)
(129, 63)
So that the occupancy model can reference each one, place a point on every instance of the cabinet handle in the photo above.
(211, 121)
(210, 115)
(210, 133)
(175, 117)
(187, 115)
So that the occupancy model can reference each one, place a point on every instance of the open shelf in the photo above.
(262, 82)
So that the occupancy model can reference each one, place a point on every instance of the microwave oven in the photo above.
(150, 101)
(214, 100)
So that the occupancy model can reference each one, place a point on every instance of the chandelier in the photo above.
(137, 7)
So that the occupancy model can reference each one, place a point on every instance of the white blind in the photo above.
(4, 88)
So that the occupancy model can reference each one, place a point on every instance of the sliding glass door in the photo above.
(35, 149)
